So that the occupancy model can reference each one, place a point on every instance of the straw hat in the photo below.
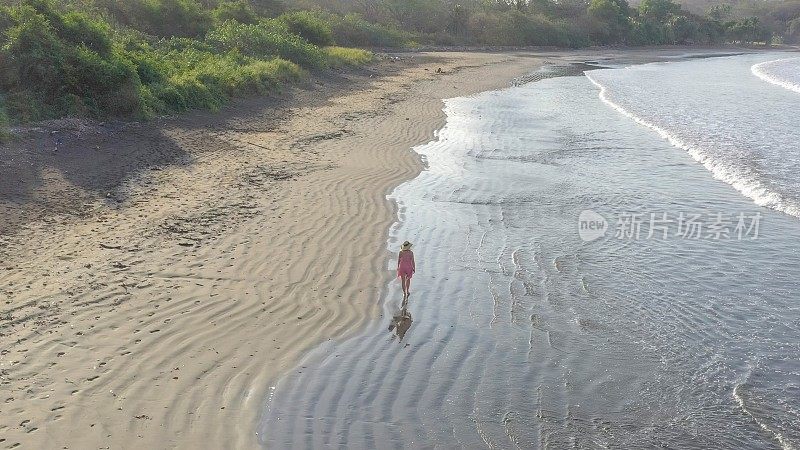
(406, 246)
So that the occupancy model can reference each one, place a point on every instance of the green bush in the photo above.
(6, 21)
(268, 8)
(220, 78)
(264, 40)
(163, 18)
(56, 61)
(239, 10)
(49, 72)
(610, 20)
(647, 33)
(32, 51)
(308, 26)
(352, 30)
(71, 26)
(148, 68)
(78, 28)
(749, 29)
(106, 86)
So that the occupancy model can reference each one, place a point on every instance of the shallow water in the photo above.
(518, 333)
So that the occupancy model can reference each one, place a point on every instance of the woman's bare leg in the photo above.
(403, 279)
(408, 285)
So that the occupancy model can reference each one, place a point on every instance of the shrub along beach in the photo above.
(170, 57)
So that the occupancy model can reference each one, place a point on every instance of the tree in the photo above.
(719, 12)
(459, 20)
(711, 31)
(793, 31)
(609, 20)
(682, 30)
(748, 30)
(658, 10)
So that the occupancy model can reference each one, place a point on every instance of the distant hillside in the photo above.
(580, 22)
(703, 6)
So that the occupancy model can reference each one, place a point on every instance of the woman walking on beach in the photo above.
(405, 266)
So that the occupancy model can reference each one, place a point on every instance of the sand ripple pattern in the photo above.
(521, 336)
(160, 319)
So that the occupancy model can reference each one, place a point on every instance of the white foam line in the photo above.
(752, 189)
(786, 445)
(758, 70)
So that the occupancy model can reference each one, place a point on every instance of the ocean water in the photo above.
(784, 72)
(741, 129)
(521, 332)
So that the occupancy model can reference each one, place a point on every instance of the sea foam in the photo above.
(747, 184)
(780, 72)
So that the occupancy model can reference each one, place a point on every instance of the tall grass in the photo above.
(344, 56)
(181, 77)
(132, 59)
(265, 39)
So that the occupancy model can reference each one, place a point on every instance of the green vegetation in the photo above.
(562, 23)
(240, 11)
(56, 64)
(138, 58)
(344, 56)
(264, 40)
(145, 57)
(353, 30)
(181, 74)
(308, 26)
(164, 18)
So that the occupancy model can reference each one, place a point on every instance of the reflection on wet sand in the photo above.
(401, 320)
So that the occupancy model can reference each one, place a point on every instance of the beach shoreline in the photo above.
(514, 339)
(149, 300)
(159, 277)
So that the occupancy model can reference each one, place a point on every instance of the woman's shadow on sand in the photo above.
(401, 321)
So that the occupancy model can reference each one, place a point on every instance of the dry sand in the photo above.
(156, 278)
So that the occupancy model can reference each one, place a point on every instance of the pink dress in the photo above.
(405, 265)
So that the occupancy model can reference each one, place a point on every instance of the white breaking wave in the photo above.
(785, 444)
(779, 72)
(746, 185)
